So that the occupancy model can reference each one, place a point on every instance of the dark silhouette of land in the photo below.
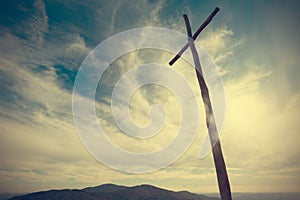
(114, 192)
(141, 192)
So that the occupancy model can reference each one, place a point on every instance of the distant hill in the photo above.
(114, 192)
(5, 196)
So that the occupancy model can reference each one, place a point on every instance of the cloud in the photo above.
(39, 145)
(78, 46)
(47, 105)
(260, 128)
(39, 24)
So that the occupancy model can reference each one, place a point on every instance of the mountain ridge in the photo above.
(114, 192)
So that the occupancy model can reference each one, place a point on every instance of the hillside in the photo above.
(114, 192)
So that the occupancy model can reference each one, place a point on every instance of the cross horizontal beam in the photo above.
(203, 25)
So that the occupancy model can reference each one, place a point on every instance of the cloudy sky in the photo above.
(253, 43)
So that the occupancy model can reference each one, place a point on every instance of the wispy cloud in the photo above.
(39, 58)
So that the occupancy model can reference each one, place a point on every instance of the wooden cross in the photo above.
(223, 182)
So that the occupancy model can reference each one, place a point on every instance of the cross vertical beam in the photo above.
(223, 181)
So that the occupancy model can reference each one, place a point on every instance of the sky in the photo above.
(253, 43)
